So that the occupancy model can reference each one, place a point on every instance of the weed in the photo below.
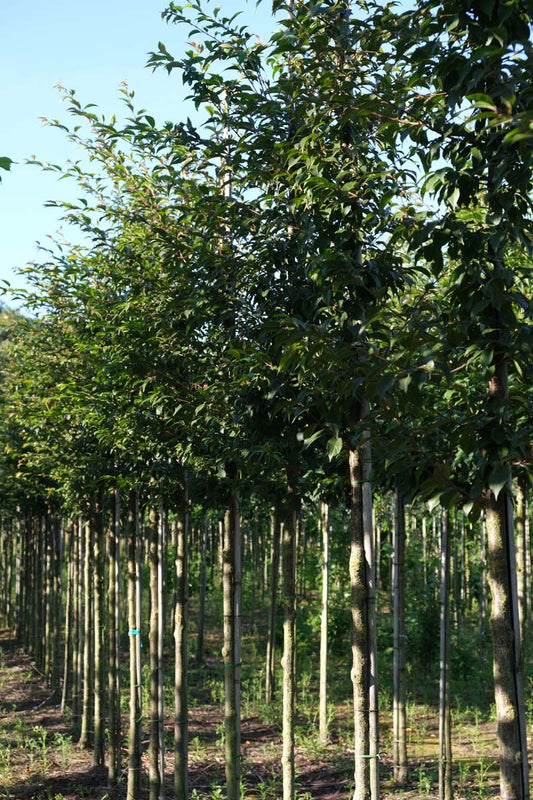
(37, 745)
(424, 780)
(221, 733)
(216, 792)
(198, 748)
(464, 772)
(482, 779)
(216, 688)
(269, 789)
(63, 743)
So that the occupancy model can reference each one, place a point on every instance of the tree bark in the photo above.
(98, 593)
(202, 590)
(373, 689)
(113, 598)
(288, 559)
(521, 560)
(399, 708)
(155, 666)
(134, 744)
(181, 720)
(270, 682)
(504, 620)
(70, 628)
(360, 639)
(323, 695)
(231, 558)
(445, 729)
(86, 714)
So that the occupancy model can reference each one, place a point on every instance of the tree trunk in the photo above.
(155, 666)
(483, 593)
(70, 628)
(161, 571)
(445, 730)
(504, 623)
(181, 722)
(113, 539)
(231, 576)
(323, 696)
(399, 708)
(504, 620)
(288, 559)
(360, 637)
(98, 593)
(77, 658)
(134, 745)
(521, 560)
(373, 700)
(202, 591)
(86, 714)
(270, 682)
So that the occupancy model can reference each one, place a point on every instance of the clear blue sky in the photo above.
(90, 47)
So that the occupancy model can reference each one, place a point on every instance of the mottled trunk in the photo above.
(70, 628)
(445, 732)
(155, 666)
(202, 590)
(373, 699)
(181, 720)
(270, 683)
(161, 570)
(323, 681)
(231, 576)
(288, 560)
(504, 620)
(134, 633)
(77, 658)
(98, 594)
(86, 713)
(504, 623)
(360, 639)
(113, 599)
(399, 672)
(483, 604)
(521, 560)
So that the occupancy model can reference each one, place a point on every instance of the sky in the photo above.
(91, 47)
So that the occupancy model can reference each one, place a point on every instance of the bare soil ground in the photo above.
(38, 760)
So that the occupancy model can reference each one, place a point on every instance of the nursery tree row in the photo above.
(320, 293)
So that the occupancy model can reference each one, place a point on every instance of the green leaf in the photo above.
(334, 447)
(498, 478)
(5, 163)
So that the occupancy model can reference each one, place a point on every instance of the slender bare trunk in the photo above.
(202, 591)
(113, 540)
(288, 559)
(161, 570)
(504, 620)
(399, 707)
(155, 666)
(360, 639)
(86, 714)
(134, 744)
(98, 592)
(232, 647)
(445, 729)
(181, 721)
(521, 560)
(323, 695)
(270, 683)
(373, 698)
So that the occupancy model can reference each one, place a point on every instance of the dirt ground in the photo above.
(38, 760)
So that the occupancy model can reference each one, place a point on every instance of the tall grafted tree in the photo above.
(470, 80)
(231, 579)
